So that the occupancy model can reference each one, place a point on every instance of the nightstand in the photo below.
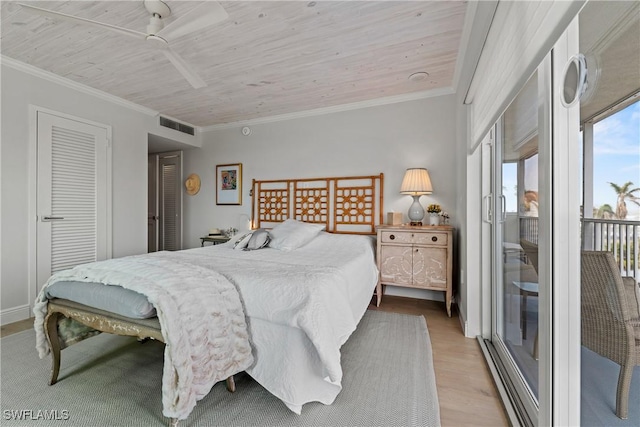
(216, 240)
(416, 257)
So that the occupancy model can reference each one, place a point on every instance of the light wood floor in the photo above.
(466, 391)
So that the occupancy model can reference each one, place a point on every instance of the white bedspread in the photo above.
(198, 353)
(302, 306)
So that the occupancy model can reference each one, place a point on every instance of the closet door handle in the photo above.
(51, 218)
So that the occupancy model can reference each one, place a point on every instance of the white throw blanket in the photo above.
(200, 313)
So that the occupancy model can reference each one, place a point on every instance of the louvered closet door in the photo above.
(71, 200)
(170, 201)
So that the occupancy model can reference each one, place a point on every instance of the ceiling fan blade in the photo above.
(184, 69)
(78, 20)
(205, 15)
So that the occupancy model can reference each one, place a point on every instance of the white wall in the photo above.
(367, 141)
(130, 128)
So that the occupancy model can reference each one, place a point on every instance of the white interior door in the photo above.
(152, 202)
(72, 201)
(170, 201)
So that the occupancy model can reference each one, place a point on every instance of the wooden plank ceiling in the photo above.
(268, 58)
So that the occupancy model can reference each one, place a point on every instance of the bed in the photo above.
(301, 297)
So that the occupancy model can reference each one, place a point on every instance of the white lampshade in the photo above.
(416, 182)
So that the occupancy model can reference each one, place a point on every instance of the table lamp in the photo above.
(416, 182)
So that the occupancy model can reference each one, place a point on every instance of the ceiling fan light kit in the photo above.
(207, 14)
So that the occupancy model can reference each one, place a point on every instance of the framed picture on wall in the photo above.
(229, 184)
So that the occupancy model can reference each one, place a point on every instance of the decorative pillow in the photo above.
(259, 239)
(242, 241)
(293, 234)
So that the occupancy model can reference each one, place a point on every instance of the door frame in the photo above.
(32, 284)
(561, 380)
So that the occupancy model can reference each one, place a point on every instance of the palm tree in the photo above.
(605, 212)
(625, 192)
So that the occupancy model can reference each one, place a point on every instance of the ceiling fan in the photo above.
(207, 14)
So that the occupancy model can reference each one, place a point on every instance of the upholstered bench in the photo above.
(103, 321)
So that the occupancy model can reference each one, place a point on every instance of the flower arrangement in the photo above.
(231, 231)
(434, 208)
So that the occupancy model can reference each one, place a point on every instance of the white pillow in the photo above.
(242, 241)
(258, 240)
(293, 234)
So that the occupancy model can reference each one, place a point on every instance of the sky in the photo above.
(616, 152)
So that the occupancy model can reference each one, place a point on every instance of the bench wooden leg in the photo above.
(51, 330)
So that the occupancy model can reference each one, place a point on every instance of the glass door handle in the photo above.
(503, 208)
(487, 211)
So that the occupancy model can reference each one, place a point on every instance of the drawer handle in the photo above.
(434, 239)
(392, 237)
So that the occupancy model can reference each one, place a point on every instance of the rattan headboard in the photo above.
(346, 204)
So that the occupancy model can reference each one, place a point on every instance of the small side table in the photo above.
(416, 257)
(216, 240)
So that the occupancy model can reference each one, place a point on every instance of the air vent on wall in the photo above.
(172, 124)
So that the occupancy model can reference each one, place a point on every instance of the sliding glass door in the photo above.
(531, 245)
(514, 217)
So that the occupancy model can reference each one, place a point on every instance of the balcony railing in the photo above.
(529, 228)
(621, 237)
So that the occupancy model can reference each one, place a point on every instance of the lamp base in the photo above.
(416, 212)
(415, 223)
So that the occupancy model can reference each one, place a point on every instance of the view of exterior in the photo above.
(612, 222)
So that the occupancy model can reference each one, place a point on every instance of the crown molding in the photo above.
(63, 81)
(334, 109)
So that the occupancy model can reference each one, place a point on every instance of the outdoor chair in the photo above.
(611, 318)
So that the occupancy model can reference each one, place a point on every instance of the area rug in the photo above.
(109, 380)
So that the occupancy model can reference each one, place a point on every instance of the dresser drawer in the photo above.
(432, 239)
(397, 237)
(408, 237)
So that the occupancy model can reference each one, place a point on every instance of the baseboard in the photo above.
(463, 323)
(14, 314)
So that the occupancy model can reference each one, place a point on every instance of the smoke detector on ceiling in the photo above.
(419, 76)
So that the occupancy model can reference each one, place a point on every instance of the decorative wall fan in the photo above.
(207, 14)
